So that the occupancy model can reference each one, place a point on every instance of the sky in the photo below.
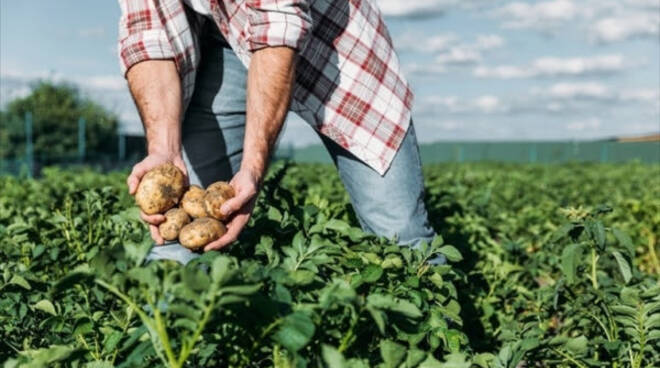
(480, 69)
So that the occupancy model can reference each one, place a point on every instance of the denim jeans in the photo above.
(212, 135)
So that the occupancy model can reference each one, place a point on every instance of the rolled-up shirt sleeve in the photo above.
(142, 35)
(278, 23)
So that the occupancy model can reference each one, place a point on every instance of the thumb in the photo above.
(233, 205)
(134, 178)
(182, 166)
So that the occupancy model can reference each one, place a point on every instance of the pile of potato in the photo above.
(163, 188)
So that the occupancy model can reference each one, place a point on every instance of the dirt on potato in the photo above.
(160, 189)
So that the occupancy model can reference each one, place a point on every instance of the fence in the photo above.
(521, 152)
(129, 149)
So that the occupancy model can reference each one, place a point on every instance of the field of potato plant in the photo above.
(549, 266)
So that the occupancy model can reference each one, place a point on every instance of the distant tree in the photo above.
(56, 108)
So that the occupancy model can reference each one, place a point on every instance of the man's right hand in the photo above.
(133, 180)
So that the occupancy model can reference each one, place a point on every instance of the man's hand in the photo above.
(239, 209)
(141, 168)
(270, 80)
(156, 89)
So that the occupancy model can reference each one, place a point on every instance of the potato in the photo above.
(160, 189)
(200, 232)
(175, 219)
(216, 195)
(193, 202)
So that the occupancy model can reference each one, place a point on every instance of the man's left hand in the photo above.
(238, 209)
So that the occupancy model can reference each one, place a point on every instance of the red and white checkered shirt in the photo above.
(349, 83)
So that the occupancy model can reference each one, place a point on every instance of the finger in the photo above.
(155, 235)
(182, 166)
(233, 229)
(152, 219)
(236, 203)
(134, 178)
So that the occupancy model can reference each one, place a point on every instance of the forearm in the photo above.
(270, 80)
(156, 90)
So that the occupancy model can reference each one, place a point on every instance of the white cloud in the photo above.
(469, 53)
(619, 28)
(486, 104)
(602, 20)
(538, 15)
(596, 91)
(425, 8)
(489, 104)
(426, 44)
(552, 67)
(576, 90)
(399, 8)
(488, 42)
(459, 55)
(641, 95)
(649, 4)
(586, 124)
(449, 50)
(104, 82)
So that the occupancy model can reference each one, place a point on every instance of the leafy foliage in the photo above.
(540, 274)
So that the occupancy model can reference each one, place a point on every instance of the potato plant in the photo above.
(549, 266)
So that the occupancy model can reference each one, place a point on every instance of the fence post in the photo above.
(81, 139)
(460, 152)
(603, 152)
(29, 148)
(532, 152)
(122, 147)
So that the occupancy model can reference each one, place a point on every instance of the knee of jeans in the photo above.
(407, 230)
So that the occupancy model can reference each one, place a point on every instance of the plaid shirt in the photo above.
(349, 85)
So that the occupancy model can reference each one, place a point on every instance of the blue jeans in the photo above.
(212, 135)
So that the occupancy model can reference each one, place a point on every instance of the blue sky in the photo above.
(480, 69)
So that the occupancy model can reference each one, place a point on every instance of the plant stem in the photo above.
(569, 358)
(594, 260)
(652, 254)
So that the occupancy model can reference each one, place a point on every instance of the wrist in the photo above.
(254, 169)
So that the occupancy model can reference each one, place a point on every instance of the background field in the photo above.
(550, 265)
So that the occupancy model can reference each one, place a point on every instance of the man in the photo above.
(213, 82)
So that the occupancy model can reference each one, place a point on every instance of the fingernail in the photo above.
(224, 210)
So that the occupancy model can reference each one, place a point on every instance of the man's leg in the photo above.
(213, 128)
(391, 205)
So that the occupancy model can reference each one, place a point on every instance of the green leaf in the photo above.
(414, 357)
(455, 360)
(220, 269)
(571, 257)
(295, 331)
(388, 302)
(392, 353)
(430, 362)
(624, 266)
(483, 360)
(625, 241)
(241, 289)
(561, 232)
(111, 341)
(452, 254)
(301, 277)
(45, 305)
(379, 318)
(371, 273)
(577, 345)
(597, 231)
(337, 225)
(20, 281)
(332, 357)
